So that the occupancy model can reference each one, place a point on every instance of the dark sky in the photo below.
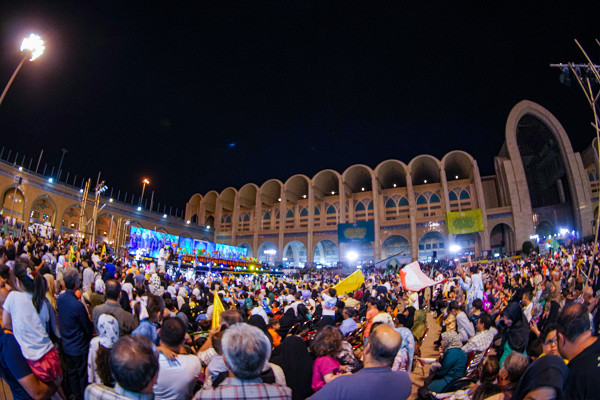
(205, 95)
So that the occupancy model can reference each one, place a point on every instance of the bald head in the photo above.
(384, 343)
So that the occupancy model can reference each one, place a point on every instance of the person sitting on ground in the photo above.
(134, 365)
(325, 346)
(246, 350)
(376, 380)
(176, 377)
(543, 379)
(515, 334)
(274, 325)
(453, 363)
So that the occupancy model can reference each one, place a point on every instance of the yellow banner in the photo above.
(350, 284)
(460, 222)
(217, 310)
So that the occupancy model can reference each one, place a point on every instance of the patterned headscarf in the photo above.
(451, 340)
(108, 330)
(99, 286)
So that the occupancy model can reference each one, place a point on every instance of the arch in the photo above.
(194, 207)
(210, 221)
(162, 229)
(267, 257)
(458, 164)
(194, 219)
(331, 210)
(424, 169)
(289, 213)
(297, 187)
(70, 218)
(434, 198)
(326, 253)
(358, 178)
(327, 182)
(562, 180)
(210, 202)
(421, 200)
(391, 174)
(430, 242)
(106, 227)
(397, 246)
(317, 211)
(390, 203)
(294, 254)
(464, 195)
(502, 239)
(452, 196)
(13, 202)
(227, 198)
(248, 248)
(270, 191)
(403, 202)
(43, 209)
(361, 207)
(544, 229)
(304, 212)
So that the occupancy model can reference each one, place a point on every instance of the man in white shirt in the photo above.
(162, 260)
(528, 305)
(176, 377)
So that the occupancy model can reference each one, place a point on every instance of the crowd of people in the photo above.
(78, 323)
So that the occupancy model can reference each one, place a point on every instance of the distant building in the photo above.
(540, 187)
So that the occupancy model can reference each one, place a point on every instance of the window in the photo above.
(289, 214)
(403, 202)
(267, 216)
(464, 195)
(359, 207)
(390, 203)
(452, 196)
(434, 198)
(421, 200)
(304, 212)
(331, 210)
(317, 212)
(370, 206)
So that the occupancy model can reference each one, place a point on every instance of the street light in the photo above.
(32, 47)
(145, 182)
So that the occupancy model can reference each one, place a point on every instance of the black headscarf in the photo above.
(295, 361)
(407, 320)
(286, 322)
(518, 333)
(259, 322)
(549, 370)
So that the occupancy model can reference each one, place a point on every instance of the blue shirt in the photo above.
(76, 328)
(348, 325)
(13, 365)
(148, 329)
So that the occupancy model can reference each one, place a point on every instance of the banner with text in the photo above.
(363, 231)
(460, 222)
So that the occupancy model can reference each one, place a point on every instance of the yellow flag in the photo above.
(217, 310)
(103, 250)
(350, 284)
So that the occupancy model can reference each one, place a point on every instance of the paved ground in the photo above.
(418, 375)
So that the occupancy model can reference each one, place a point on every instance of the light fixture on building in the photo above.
(362, 189)
(188, 222)
(425, 181)
(279, 199)
(332, 192)
(207, 226)
(50, 180)
(139, 208)
(110, 200)
(303, 196)
(80, 190)
(394, 185)
(20, 168)
(456, 177)
(164, 215)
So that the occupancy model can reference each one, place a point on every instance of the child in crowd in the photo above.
(24, 310)
(326, 345)
(274, 325)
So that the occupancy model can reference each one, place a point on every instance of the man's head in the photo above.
(514, 366)
(526, 298)
(113, 289)
(230, 317)
(485, 322)
(71, 278)
(246, 349)
(477, 304)
(383, 346)
(134, 363)
(573, 327)
(172, 332)
(453, 307)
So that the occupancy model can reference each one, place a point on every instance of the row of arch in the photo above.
(431, 245)
(44, 210)
(325, 188)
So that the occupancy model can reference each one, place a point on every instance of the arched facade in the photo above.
(408, 202)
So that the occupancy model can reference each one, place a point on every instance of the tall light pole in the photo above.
(32, 47)
(145, 182)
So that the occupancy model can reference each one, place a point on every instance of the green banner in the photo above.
(464, 222)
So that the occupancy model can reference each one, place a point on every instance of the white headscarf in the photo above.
(99, 286)
(108, 330)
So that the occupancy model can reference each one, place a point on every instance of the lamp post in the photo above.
(32, 47)
(145, 182)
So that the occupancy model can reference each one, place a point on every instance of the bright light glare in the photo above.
(146, 181)
(352, 256)
(496, 254)
(207, 226)
(563, 231)
(164, 215)
(35, 44)
(139, 208)
(50, 180)
(455, 248)
(270, 252)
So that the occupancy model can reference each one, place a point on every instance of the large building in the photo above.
(540, 187)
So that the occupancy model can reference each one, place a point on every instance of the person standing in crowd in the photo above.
(177, 376)
(577, 344)
(76, 331)
(127, 322)
(134, 365)
(376, 380)
(99, 353)
(246, 350)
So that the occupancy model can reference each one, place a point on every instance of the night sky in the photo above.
(205, 95)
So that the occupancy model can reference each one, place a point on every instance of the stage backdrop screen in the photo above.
(146, 242)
